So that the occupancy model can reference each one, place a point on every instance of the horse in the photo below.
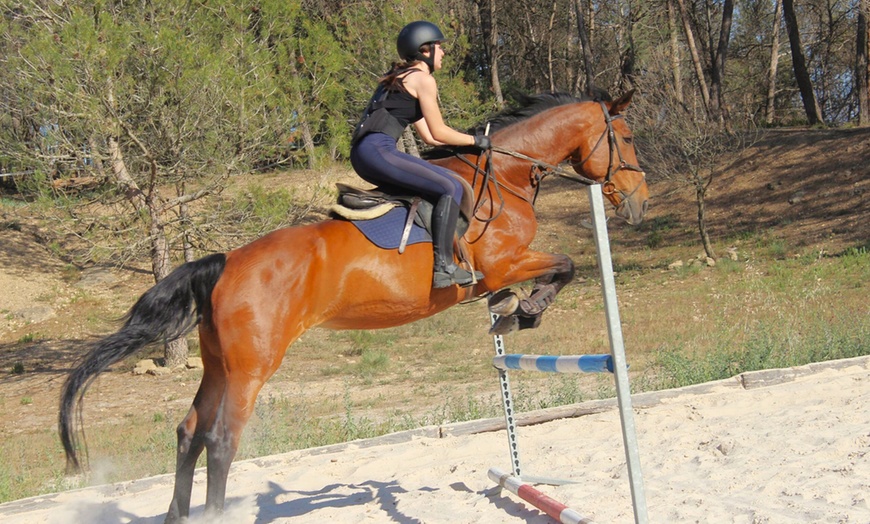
(251, 303)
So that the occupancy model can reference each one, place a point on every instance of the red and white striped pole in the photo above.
(548, 505)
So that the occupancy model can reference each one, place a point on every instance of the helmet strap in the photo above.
(428, 60)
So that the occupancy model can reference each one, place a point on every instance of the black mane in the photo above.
(527, 107)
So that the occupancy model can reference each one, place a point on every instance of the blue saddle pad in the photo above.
(386, 231)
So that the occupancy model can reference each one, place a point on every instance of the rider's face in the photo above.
(439, 55)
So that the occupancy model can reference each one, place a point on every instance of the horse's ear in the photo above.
(619, 105)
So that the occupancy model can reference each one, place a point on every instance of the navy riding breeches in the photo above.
(377, 160)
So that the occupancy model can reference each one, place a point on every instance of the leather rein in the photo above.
(541, 169)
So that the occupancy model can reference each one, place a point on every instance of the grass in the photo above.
(777, 306)
(767, 346)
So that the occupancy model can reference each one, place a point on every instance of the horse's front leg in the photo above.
(545, 291)
(550, 272)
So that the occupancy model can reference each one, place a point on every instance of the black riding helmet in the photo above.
(414, 35)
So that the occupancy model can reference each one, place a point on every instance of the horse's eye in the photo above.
(627, 139)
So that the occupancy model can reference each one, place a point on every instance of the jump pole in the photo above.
(555, 364)
(548, 505)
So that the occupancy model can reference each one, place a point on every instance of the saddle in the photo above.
(356, 204)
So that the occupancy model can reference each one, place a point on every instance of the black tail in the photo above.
(167, 311)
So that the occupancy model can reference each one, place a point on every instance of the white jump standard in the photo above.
(614, 363)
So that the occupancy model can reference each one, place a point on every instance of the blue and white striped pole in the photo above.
(556, 364)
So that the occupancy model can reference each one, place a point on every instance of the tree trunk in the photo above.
(628, 59)
(175, 352)
(550, 74)
(675, 53)
(408, 144)
(586, 48)
(700, 199)
(774, 62)
(862, 69)
(696, 58)
(530, 27)
(186, 225)
(96, 158)
(491, 37)
(128, 186)
(805, 84)
(304, 126)
(717, 102)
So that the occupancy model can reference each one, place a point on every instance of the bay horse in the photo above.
(251, 303)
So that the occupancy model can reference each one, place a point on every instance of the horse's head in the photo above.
(606, 154)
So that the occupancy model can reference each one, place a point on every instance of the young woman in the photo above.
(408, 94)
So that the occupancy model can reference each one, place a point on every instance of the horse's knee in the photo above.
(222, 438)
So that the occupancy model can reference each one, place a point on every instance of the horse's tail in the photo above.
(165, 312)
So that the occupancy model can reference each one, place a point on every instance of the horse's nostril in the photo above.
(645, 206)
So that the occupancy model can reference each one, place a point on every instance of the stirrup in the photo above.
(455, 275)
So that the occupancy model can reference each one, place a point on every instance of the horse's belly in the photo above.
(383, 312)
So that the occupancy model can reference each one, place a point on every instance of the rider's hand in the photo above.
(482, 142)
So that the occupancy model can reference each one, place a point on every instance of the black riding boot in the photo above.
(446, 272)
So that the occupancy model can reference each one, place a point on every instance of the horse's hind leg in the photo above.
(222, 439)
(191, 437)
(246, 362)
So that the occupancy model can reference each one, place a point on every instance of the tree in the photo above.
(586, 49)
(680, 142)
(717, 76)
(126, 87)
(309, 65)
(802, 76)
(862, 64)
(774, 63)
(489, 28)
(693, 53)
(674, 50)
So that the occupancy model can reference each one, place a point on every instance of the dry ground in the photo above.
(811, 187)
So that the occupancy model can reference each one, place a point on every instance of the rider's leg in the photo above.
(446, 272)
(376, 159)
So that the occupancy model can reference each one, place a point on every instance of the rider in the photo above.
(408, 94)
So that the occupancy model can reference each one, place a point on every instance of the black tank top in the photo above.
(403, 107)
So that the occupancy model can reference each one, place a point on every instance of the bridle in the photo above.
(541, 169)
(607, 187)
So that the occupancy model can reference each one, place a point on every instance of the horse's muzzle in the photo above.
(632, 210)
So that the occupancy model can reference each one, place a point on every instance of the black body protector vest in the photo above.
(377, 118)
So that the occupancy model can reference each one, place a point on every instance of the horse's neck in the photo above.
(550, 136)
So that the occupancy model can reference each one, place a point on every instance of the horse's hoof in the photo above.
(505, 325)
(503, 303)
(529, 322)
